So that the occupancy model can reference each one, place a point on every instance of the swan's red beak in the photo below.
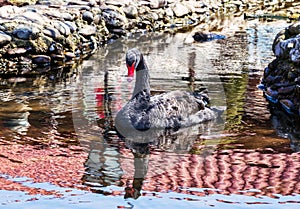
(130, 72)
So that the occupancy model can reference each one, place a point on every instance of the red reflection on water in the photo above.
(56, 165)
(246, 172)
(99, 97)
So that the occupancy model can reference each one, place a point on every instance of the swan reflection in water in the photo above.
(179, 141)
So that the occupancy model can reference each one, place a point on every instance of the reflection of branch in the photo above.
(107, 121)
(191, 65)
(107, 110)
(191, 79)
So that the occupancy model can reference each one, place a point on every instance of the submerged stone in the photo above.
(203, 37)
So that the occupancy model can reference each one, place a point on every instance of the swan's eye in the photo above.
(130, 65)
(130, 62)
(130, 59)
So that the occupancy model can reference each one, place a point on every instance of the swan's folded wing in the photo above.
(170, 109)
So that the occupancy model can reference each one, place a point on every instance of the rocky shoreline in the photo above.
(37, 34)
(281, 79)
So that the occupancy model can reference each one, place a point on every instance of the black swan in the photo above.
(171, 110)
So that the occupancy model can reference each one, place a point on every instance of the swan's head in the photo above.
(133, 59)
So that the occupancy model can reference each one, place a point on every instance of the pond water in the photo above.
(59, 147)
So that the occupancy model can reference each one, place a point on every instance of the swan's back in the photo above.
(168, 110)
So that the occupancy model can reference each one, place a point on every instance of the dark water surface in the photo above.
(59, 148)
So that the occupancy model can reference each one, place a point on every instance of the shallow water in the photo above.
(59, 148)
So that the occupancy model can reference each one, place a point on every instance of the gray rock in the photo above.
(52, 2)
(71, 25)
(41, 59)
(79, 7)
(143, 9)
(25, 32)
(88, 16)
(70, 55)
(67, 16)
(88, 30)
(79, 2)
(33, 17)
(131, 11)
(153, 16)
(52, 32)
(190, 5)
(92, 3)
(97, 19)
(62, 28)
(180, 10)
(16, 51)
(54, 13)
(201, 10)
(295, 51)
(155, 4)
(57, 57)
(118, 3)
(114, 18)
(9, 11)
(2, 28)
(4, 38)
(169, 12)
(294, 29)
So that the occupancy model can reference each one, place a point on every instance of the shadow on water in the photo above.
(60, 130)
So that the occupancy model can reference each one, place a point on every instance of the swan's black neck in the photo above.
(142, 82)
(141, 65)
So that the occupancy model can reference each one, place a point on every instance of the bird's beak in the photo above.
(130, 72)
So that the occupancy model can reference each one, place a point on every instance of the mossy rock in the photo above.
(41, 44)
(22, 2)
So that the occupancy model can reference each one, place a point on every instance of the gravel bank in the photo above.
(37, 34)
